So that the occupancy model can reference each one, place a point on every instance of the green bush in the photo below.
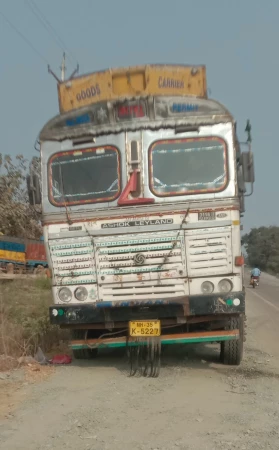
(262, 247)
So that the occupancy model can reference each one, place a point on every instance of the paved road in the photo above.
(195, 404)
(268, 290)
(263, 312)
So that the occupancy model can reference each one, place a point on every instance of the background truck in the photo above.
(24, 254)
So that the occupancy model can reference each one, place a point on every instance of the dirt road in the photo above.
(195, 404)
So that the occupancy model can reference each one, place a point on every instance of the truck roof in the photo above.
(130, 114)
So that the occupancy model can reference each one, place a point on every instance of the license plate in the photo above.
(207, 215)
(145, 328)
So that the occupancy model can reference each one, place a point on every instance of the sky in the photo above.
(237, 41)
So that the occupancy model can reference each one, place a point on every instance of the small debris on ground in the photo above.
(61, 359)
(35, 372)
(25, 360)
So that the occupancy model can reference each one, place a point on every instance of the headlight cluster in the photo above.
(65, 294)
(224, 286)
(81, 294)
(207, 287)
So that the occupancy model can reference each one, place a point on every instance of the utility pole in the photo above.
(63, 71)
(63, 67)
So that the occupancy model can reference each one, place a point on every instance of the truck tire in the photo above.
(83, 353)
(232, 351)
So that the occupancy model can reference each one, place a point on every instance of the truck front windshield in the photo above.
(84, 176)
(188, 166)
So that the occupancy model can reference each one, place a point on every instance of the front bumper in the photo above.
(179, 307)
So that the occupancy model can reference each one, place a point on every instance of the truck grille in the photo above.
(140, 266)
(73, 260)
(209, 251)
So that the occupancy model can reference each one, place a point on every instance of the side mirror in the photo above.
(242, 204)
(33, 189)
(247, 162)
(240, 179)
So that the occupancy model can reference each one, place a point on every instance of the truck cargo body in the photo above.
(23, 253)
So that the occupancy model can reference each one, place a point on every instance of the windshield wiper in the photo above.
(69, 220)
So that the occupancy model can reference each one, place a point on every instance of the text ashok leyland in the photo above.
(137, 223)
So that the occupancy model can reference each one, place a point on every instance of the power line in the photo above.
(32, 8)
(24, 38)
(50, 29)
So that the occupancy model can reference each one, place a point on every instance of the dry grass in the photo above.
(24, 318)
(7, 363)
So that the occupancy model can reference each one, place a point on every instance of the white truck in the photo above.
(143, 182)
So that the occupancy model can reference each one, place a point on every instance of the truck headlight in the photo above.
(225, 286)
(207, 287)
(81, 294)
(65, 295)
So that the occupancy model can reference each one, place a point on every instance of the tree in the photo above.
(262, 247)
(17, 217)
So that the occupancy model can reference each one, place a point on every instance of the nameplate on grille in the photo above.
(137, 223)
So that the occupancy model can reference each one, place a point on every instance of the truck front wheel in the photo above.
(83, 353)
(232, 351)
